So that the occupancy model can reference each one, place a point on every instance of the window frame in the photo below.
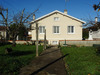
(42, 29)
(56, 18)
(56, 30)
(55, 42)
(71, 31)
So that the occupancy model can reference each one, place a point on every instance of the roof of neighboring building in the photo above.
(2, 28)
(56, 11)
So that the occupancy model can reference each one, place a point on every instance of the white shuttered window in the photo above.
(55, 29)
(41, 29)
(70, 29)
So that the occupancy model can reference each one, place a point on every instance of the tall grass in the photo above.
(11, 63)
(82, 60)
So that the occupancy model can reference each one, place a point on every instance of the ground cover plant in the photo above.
(82, 60)
(21, 55)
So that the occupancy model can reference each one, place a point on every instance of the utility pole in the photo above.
(45, 39)
(37, 40)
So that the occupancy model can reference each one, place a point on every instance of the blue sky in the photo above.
(81, 9)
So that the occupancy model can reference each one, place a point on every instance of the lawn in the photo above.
(81, 60)
(10, 64)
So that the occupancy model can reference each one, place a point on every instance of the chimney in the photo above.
(65, 11)
(33, 16)
(96, 19)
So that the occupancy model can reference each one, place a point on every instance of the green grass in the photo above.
(10, 64)
(81, 60)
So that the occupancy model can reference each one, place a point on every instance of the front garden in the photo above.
(82, 60)
(20, 56)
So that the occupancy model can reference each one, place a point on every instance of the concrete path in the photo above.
(50, 62)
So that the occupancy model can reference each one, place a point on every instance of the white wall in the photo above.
(64, 21)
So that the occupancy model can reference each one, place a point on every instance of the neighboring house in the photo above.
(94, 35)
(94, 31)
(2, 32)
(59, 26)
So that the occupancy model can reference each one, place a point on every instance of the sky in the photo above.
(81, 9)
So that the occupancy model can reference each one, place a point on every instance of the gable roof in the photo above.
(56, 11)
(2, 28)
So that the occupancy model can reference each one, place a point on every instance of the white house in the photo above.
(59, 26)
(94, 35)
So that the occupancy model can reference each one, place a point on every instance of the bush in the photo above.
(4, 43)
(98, 50)
(97, 46)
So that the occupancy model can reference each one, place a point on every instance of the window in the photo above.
(55, 29)
(70, 29)
(56, 18)
(54, 42)
(41, 29)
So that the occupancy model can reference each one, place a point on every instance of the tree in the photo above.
(19, 20)
(5, 19)
(85, 33)
(16, 30)
(93, 24)
(23, 32)
(96, 6)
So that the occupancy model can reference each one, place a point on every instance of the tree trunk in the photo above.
(37, 40)
(45, 40)
(14, 41)
(7, 36)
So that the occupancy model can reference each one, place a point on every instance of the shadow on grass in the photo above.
(42, 68)
(5, 43)
(20, 53)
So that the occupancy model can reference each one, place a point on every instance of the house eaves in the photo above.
(56, 11)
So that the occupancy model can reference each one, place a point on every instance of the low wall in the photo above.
(70, 42)
(80, 42)
(21, 42)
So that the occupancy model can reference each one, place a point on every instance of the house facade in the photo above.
(59, 26)
(2, 32)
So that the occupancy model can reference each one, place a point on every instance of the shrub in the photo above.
(98, 50)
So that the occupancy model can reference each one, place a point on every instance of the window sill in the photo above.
(70, 33)
(41, 33)
(56, 21)
(56, 33)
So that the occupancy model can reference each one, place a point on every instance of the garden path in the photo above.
(50, 62)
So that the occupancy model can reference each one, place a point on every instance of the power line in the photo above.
(9, 4)
(66, 3)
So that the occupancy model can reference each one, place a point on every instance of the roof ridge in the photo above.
(61, 13)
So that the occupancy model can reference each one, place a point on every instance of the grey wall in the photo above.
(80, 43)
